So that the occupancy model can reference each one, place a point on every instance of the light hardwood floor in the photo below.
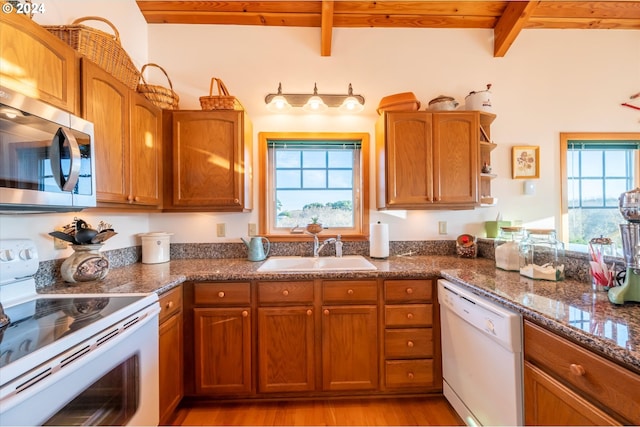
(423, 411)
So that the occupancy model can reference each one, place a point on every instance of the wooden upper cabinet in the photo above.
(128, 131)
(145, 152)
(210, 157)
(36, 63)
(428, 160)
(455, 157)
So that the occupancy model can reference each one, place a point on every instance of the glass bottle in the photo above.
(507, 248)
(542, 255)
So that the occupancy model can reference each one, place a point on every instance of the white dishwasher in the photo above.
(481, 357)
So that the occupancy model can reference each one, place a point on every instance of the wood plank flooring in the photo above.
(422, 411)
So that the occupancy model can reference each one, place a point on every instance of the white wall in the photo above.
(550, 81)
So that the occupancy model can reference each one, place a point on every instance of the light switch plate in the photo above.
(221, 229)
(252, 230)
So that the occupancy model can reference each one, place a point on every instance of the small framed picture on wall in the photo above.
(525, 162)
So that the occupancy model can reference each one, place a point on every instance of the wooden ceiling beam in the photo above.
(512, 21)
(326, 30)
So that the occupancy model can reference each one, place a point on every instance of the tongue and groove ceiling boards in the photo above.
(506, 18)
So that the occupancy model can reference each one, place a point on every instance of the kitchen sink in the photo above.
(295, 263)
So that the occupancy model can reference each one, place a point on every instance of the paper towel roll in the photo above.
(379, 240)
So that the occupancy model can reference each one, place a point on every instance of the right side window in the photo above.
(596, 169)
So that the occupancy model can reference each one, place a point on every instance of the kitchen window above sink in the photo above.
(295, 263)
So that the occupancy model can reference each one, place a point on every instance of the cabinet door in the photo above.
(170, 362)
(286, 349)
(145, 154)
(455, 157)
(222, 350)
(105, 102)
(34, 62)
(409, 152)
(208, 160)
(349, 348)
(547, 402)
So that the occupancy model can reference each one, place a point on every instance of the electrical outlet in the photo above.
(221, 229)
(252, 229)
(442, 227)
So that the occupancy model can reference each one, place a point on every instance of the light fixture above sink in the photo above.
(296, 263)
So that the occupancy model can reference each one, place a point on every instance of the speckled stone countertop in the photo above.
(569, 307)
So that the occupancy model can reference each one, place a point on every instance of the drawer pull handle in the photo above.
(285, 292)
(410, 344)
(220, 294)
(410, 375)
(309, 312)
(350, 292)
(169, 305)
(577, 370)
(326, 312)
(409, 291)
(245, 313)
(409, 316)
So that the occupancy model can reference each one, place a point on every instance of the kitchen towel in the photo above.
(379, 240)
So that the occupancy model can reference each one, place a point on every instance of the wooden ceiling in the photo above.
(506, 18)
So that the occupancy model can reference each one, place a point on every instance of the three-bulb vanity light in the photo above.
(314, 103)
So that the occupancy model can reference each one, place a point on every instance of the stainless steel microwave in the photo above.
(47, 161)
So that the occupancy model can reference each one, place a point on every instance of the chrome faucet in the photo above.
(317, 246)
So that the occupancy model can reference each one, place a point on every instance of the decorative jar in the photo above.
(507, 248)
(466, 246)
(542, 255)
(85, 264)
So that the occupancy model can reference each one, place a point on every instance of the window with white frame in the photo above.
(314, 177)
(597, 172)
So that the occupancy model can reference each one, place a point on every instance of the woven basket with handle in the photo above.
(160, 96)
(222, 101)
(100, 47)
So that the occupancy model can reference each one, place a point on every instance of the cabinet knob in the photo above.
(285, 292)
(169, 304)
(245, 313)
(410, 375)
(410, 344)
(236, 201)
(350, 292)
(326, 312)
(129, 198)
(309, 312)
(409, 316)
(136, 199)
(577, 370)
(409, 291)
(221, 294)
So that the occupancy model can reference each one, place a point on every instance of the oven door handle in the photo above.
(68, 179)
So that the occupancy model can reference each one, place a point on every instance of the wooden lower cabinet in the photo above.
(349, 347)
(549, 402)
(286, 349)
(222, 338)
(171, 343)
(567, 384)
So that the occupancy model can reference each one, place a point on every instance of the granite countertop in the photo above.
(569, 307)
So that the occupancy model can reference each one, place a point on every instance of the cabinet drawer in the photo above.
(285, 292)
(170, 302)
(227, 293)
(408, 343)
(408, 373)
(603, 381)
(408, 315)
(407, 290)
(356, 291)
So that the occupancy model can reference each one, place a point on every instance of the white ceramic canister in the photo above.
(155, 247)
(479, 101)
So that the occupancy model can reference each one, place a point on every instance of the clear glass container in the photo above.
(542, 255)
(507, 248)
(466, 246)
